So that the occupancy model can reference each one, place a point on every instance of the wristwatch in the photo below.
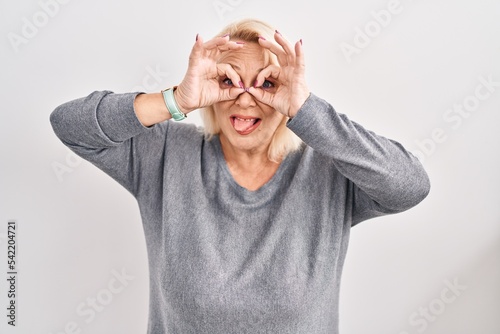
(173, 108)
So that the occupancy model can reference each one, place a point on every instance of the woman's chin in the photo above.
(245, 143)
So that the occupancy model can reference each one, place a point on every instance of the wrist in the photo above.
(172, 106)
(178, 100)
(300, 102)
(182, 102)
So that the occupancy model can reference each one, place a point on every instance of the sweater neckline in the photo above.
(266, 188)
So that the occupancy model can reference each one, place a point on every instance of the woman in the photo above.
(247, 224)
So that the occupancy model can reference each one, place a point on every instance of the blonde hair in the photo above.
(284, 141)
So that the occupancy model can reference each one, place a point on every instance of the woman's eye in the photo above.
(267, 84)
(227, 81)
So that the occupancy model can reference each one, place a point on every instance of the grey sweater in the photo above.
(223, 259)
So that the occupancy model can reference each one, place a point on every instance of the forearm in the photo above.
(150, 109)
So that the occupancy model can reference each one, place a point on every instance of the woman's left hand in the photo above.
(289, 77)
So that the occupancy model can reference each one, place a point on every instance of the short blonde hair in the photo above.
(284, 141)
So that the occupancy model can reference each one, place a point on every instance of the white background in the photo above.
(78, 228)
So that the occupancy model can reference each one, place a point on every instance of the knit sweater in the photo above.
(224, 259)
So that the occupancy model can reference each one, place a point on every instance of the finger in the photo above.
(262, 96)
(299, 58)
(299, 52)
(222, 43)
(230, 94)
(231, 45)
(216, 46)
(285, 44)
(272, 71)
(197, 50)
(276, 49)
(215, 42)
(226, 70)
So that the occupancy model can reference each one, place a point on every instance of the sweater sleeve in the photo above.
(101, 129)
(386, 177)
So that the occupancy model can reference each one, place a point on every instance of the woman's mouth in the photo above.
(245, 125)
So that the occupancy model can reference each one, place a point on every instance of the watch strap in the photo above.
(173, 108)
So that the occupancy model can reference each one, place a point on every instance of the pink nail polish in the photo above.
(301, 41)
(241, 84)
(262, 38)
(255, 84)
(225, 35)
(197, 35)
(240, 42)
(278, 32)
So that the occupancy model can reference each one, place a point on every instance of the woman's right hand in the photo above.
(201, 85)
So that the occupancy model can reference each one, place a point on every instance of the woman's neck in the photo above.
(251, 169)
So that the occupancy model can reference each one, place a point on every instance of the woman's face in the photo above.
(246, 124)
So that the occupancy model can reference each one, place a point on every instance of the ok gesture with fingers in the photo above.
(289, 77)
(200, 86)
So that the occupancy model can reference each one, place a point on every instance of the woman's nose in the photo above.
(245, 100)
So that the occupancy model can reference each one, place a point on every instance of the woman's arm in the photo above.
(102, 128)
(106, 128)
(151, 109)
(200, 86)
(389, 178)
(386, 177)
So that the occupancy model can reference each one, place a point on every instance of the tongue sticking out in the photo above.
(242, 125)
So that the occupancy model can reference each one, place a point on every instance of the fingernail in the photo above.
(301, 41)
(278, 32)
(240, 42)
(247, 89)
(255, 84)
(225, 35)
(262, 38)
(197, 35)
(241, 84)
